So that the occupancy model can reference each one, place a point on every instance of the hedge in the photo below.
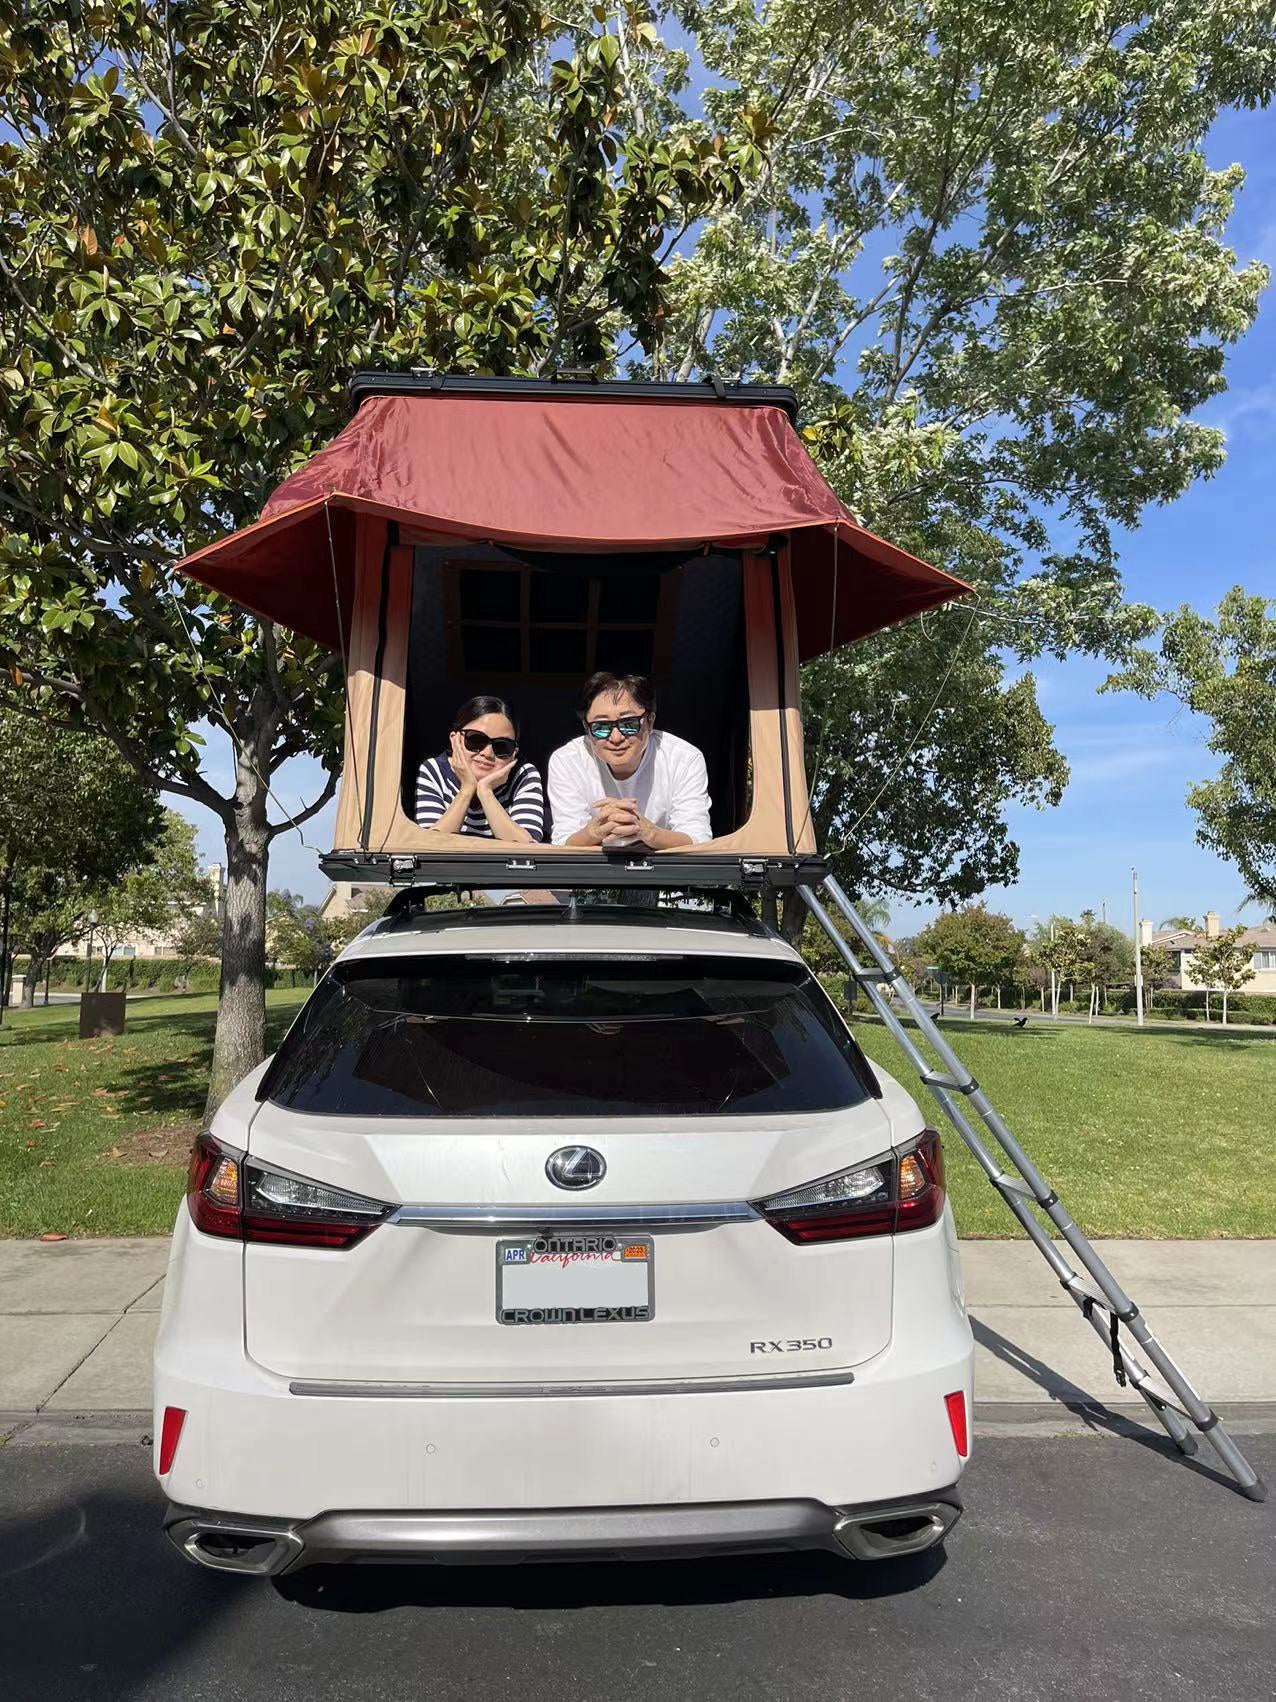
(1178, 1004)
(154, 974)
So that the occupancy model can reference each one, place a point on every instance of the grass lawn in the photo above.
(68, 1105)
(1143, 1134)
(1151, 1134)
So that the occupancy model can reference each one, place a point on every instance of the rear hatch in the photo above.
(446, 1085)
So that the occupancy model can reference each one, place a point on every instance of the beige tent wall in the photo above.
(371, 781)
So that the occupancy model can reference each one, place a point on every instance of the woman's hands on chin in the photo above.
(462, 767)
(495, 777)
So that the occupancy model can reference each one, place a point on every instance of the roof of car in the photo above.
(557, 931)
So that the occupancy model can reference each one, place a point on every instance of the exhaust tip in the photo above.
(899, 1532)
(230, 1548)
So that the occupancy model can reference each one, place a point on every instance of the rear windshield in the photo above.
(484, 1037)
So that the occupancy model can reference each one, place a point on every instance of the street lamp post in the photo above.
(1138, 949)
(88, 967)
(4, 942)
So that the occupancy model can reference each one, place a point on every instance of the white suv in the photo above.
(562, 1233)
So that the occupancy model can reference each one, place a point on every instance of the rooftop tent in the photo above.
(511, 535)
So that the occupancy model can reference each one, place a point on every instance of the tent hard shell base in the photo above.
(514, 867)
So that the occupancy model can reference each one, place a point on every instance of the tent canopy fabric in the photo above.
(592, 474)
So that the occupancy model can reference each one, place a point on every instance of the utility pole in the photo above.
(6, 876)
(1138, 949)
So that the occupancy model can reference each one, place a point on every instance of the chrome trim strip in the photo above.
(328, 1389)
(556, 1215)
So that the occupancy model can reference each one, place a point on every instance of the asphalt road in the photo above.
(1086, 1566)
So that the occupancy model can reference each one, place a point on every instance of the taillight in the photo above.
(890, 1195)
(231, 1195)
(170, 1436)
(956, 1406)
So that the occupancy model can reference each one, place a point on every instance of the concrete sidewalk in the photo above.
(77, 1319)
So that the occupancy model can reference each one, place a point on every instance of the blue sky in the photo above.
(1131, 761)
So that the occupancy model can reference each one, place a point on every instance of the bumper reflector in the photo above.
(956, 1404)
(170, 1436)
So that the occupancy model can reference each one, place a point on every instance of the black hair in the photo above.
(639, 686)
(474, 708)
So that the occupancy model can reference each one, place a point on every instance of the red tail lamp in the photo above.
(170, 1436)
(956, 1404)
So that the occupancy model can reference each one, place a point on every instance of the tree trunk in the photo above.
(972, 1001)
(35, 974)
(1225, 1007)
(240, 1041)
(1207, 1004)
(793, 920)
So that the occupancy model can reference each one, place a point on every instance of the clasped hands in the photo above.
(618, 821)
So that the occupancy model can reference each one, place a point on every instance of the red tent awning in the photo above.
(578, 474)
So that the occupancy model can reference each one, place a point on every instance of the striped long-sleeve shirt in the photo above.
(521, 795)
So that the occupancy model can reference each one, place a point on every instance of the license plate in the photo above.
(575, 1279)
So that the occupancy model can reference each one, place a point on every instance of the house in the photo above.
(159, 943)
(345, 897)
(1181, 943)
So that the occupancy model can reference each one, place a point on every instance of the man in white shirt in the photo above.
(622, 782)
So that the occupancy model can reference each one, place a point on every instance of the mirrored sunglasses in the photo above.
(628, 726)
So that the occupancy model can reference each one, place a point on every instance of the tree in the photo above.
(296, 934)
(1224, 962)
(976, 945)
(1111, 955)
(73, 821)
(1064, 947)
(988, 250)
(370, 905)
(1225, 670)
(168, 883)
(209, 214)
(1158, 970)
(1182, 924)
(197, 934)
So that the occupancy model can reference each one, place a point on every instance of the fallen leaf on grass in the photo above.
(31, 1144)
(53, 1236)
(116, 1152)
(47, 1163)
(36, 1123)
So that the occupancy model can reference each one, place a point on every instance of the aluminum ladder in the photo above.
(1097, 1293)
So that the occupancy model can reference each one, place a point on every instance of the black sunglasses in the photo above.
(629, 727)
(474, 741)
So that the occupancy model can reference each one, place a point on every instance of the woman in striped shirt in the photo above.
(479, 786)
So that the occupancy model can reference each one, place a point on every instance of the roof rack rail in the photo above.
(516, 868)
(411, 902)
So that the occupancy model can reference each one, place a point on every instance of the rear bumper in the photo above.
(271, 1547)
(252, 1449)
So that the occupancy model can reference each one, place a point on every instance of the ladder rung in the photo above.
(932, 1079)
(1014, 1185)
(1082, 1288)
(877, 975)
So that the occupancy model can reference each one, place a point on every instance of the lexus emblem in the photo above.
(575, 1167)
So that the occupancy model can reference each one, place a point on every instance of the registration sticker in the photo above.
(562, 1278)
